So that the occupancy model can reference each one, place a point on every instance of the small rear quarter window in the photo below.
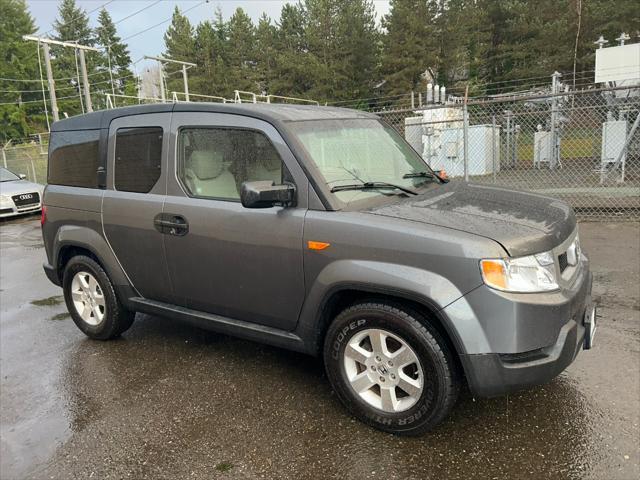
(138, 158)
(74, 158)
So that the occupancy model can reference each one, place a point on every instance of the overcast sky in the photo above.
(151, 43)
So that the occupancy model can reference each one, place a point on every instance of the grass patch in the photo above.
(48, 302)
(61, 316)
(224, 466)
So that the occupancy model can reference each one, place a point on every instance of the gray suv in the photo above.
(318, 230)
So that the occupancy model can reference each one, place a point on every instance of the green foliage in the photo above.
(180, 42)
(409, 46)
(18, 60)
(115, 55)
(72, 25)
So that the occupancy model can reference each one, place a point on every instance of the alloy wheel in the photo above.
(383, 370)
(88, 298)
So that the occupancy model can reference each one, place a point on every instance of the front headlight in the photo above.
(5, 199)
(535, 273)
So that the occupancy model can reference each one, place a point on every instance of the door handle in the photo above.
(171, 224)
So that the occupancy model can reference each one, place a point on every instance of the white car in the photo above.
(17, 195)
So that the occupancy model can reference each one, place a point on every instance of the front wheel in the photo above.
(390, 368)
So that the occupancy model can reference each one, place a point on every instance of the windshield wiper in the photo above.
(425, 175)
(372, 186)
(419, 175)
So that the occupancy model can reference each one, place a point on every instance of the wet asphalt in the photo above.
(170, 401)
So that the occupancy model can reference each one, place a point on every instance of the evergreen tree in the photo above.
(410, 45)
(18, 60)
(294, 62)
(462, 43)
(242, 52)
(201, 78)
(72, 25)
(321, 36)
(115, 54)
(356, 53)
(266, 38)
(179, 40)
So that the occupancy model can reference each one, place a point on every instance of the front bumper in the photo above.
(526, 340)
(10, 209)
(494, 374)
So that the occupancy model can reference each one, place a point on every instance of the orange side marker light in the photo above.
(317, 245)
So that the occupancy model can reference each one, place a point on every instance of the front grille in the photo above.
(563, 261)
(25, 199)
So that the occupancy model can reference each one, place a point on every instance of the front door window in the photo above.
(214, 162)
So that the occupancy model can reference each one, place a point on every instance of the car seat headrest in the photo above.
(206, 164)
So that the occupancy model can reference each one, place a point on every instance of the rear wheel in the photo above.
(92, 301)
(390, 368)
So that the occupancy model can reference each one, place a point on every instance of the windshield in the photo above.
(7, 176)
(351, 152)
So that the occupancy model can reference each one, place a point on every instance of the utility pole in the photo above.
(186, 83)
(185, 67)
(85, 82)
(163, 95)
(555, 144)
(47, 59)
(52, 84)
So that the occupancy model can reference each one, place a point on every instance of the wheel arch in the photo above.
(343, 296)
(72, 241)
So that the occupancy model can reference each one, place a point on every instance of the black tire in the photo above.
(441, 379)
(117, 319)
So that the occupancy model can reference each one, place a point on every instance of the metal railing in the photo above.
(175, 96)
(258, 98)
(128, 100)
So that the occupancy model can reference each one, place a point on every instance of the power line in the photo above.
(37, 101)
(72, 87)
(27, 80)
(164, 21)
(137, 12)
(78, 17)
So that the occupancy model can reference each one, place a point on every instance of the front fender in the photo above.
(422, 286)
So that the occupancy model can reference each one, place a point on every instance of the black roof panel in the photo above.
(274, 111)
(102, 118)
(269, 112)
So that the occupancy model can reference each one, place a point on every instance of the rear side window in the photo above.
(74, 158)
(138, 158)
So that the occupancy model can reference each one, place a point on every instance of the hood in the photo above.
(523, 223)
(14, 187)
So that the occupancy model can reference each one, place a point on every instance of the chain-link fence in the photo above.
(581, 147)
(28, 158)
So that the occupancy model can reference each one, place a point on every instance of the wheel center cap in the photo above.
(383, 370)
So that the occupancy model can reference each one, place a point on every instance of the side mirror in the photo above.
(22, 176)
(265, 194)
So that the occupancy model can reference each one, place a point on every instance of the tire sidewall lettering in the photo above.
(344, 335)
